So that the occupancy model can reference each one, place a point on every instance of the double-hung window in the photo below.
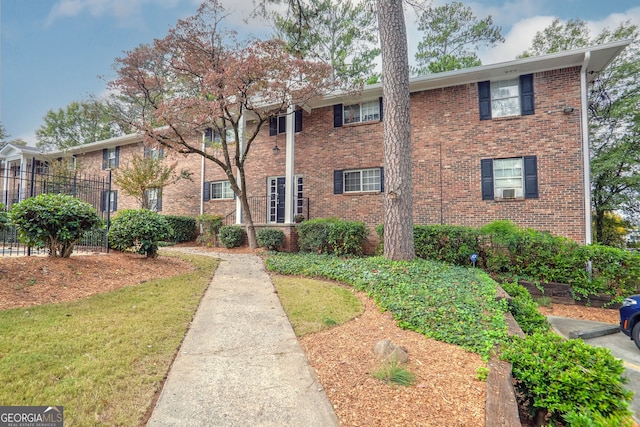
(109, 201)
(506, 98)
(221, 190)
(110, 157)
(358, 181)
(154, 199)
(215, 136)
(365, 112)
(512, 178)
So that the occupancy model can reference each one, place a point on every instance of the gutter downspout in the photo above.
(586, 161)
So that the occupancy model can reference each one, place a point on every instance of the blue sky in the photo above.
(53, 52)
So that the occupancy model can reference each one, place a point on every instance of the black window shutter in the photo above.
(159, 204)
(530, 177)
(161, 152)
(484, 98)
(117, 162)
(115, 201)
(146, 151)
(526, 94)
(381, 177)
(337, 182)
(380, 100)
(282, 124)
(206, 191)
(337, 116)
(105, 158)
(103, 201)
(486, 167)
(298, 118)
(273, 126)
(208, 135)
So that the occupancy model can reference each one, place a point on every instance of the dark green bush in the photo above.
(331, 235)
(209, 227)
(184, 227)
(54, 221)
(505, 250)
(138, 230)
(231, 236)
(524, 309)
(563, 378)
(4, 217)
(270, 238)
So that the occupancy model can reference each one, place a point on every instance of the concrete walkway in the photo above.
(240, 363)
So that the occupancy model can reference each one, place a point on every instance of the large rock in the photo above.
(387, 350)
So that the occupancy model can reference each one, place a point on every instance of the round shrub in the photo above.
(138, 230)
(54, 221)
(270, 238)
(562, 378)
(231, 236)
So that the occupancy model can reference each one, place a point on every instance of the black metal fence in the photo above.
(21, 186)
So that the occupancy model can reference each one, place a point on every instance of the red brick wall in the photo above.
(449, 141)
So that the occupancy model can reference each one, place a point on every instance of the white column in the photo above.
(290, 185)
(241, 125)
(586, 161)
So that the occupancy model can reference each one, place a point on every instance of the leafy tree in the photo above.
(614, 117)
(138, 230)
(54, 221)
(3, 135)
(615, 230)
(338, 33)
(452, 36)
(77, 124)
(199, 77)
(143, 174)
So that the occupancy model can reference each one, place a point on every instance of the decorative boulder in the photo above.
(385, 349)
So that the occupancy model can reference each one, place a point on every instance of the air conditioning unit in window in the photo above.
(508, 193)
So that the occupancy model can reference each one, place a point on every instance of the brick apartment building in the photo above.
(501, 141)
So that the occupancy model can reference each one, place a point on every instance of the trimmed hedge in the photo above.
(231, 236)
(331, 235)
(508, 251)
(184, 227)
(270, 238)
(138, 230)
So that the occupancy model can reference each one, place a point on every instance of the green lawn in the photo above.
(103, 358)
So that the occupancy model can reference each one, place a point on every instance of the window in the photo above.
(365, 112)
(153, 153)
(221, 190)
(278, 125)
(506, 98)
(154, 199)
(358, 181)
(110, 157)
(213, 135)
(369, 111)
(109, 200)
(513, 178)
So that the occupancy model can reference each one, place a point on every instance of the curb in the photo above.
(594, 333)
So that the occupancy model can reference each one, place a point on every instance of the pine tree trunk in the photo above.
(398, 201)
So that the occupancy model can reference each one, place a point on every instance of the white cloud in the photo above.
(123, 10)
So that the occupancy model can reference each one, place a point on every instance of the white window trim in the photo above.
(374, 105)
(496, 84)
(228, 196)
(361, 172)
(153, 201)
(518, 188)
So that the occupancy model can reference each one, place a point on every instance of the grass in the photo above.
(394, 373)
(103, 358)
(313, 305)
(447, 303)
